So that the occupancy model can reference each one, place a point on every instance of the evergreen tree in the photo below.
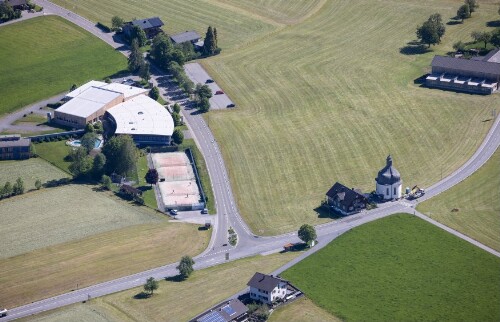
(177, 108)
(144, 72)
(154, 93)
(135, 59)
(215, 37)
(177, 119)
(209, 45)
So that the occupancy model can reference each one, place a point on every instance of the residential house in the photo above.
(227, 311)
(14, 147)
(267, 288)
(188, 36)
(345, 200)
(17, 4)
(151, 26)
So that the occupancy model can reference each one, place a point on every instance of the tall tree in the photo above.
(481, 36)
(204, 105)
(138, 34)
(472, 5)
(135, 59)
(160, 50)
(202, 91)
(209, 45)
(307, 233)
(88, 141)
(215, 37)
(151, 176)
(98, 166)
(427, 33)
(121, 154)
(177, 108)
(154, 93)
(144, 72)
(437, 21)
(177, 119)
(82, 163)
(117, 23)
(178, 136)
(18, 188)
(186, 266)
(150, 286)
(463, 12)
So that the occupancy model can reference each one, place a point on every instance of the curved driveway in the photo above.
(227, 213)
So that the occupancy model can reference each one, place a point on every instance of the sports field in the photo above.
(173, 301)
(29, 170)
(401, 268)
(52, 216)
(107, 255)
(44, 56)
(327, 98)
(473, 206)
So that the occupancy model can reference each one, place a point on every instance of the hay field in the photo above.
(29, 170)
(43, 56)
(173, 301)
(52, 216)
(328, 99)
(234, 28)
(478, 203)
(58, 269)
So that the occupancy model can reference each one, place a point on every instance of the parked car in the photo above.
(231, 105)
(204, 211)
(3, 312)
(173, 212)
(219, 92)
(208, 81)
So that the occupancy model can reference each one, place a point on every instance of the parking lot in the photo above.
(198, 75)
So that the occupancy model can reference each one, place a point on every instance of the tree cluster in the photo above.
(180, 77)
(163, 52)
(431, 31)
(8, 13)
(210, 46)
(121, 155)
(9, 189)
(202, 95)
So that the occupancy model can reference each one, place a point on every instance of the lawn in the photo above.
(148, 193)
(300, 311)
(62, 268)
(329, 98)
(174, 301)
(54, 153)
(234, 28)
(29, 170)
(56, 215)
(401, 268)
(478, 204)
(31, 119)
(44, 56)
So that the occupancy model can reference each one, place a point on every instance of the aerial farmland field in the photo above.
(44, 56)
(326, 98)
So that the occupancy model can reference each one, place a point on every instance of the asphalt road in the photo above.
(227, 212)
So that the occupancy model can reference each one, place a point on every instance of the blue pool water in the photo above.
(79, 143)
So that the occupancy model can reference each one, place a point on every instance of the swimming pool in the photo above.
(78, 143)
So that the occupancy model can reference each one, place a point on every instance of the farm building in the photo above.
(227, 311)
(345, 200)
(188, 36)
(125, 107)
(267, 288)
(480, 75)
(14, 147)
(150, 26)
(388, 181)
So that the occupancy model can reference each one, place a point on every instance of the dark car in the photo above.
(208, 81)
(231, 105)
(219, 92)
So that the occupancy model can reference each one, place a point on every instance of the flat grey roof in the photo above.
(466, 65)
(185, 37)
(20, 142)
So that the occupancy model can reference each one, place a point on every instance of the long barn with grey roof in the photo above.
(480, 75)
